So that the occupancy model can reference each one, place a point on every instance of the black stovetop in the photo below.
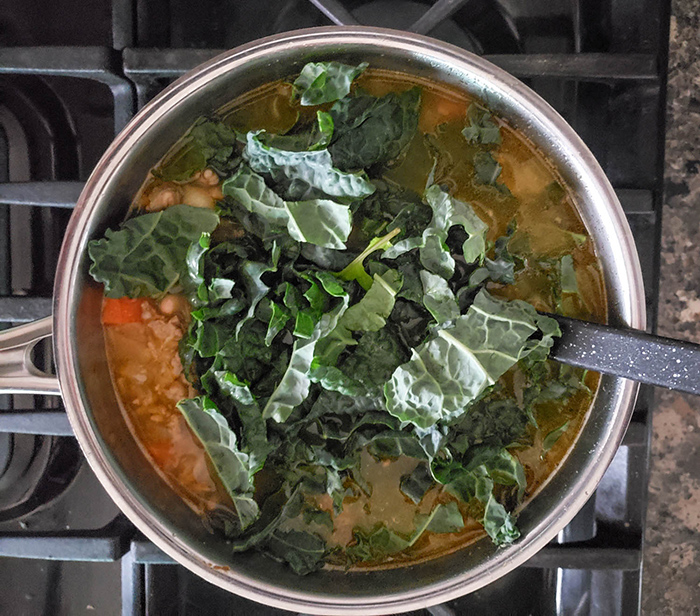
(72, 73)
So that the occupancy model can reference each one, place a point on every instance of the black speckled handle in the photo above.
(629, 353)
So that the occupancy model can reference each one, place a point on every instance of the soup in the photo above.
(317, 326)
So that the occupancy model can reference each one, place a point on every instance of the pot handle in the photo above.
(18, 375)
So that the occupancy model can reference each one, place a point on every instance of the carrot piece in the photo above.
(121, 310)
(160, 452)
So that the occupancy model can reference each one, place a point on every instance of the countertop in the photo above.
(671, 582)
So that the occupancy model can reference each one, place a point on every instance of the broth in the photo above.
(149, 377)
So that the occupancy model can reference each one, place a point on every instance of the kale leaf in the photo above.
(438, 298)
(482, 128)
(476, 480)
(254, 429)
(209, 143)
(488, 170)
(324, 82)
(322, 222)
(146, 257)
(371, 312)
(372, 130)
(232, 465)
(416, 483)
(442, 519)
(497, 422)
(293, 388)
(379, 541)
(302, 550)
(314, 169)
(502, 267)
(456, 365)
(375, 543)
(569, 283)
(374, 359)
(448, 212)
(315, 137)
(550, 440)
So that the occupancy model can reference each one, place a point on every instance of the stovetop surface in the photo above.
(72, 73)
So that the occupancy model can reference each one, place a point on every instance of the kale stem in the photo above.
(356, 270)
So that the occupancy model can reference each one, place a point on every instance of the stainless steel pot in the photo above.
(80, 351)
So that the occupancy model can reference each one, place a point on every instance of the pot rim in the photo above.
(631, 312)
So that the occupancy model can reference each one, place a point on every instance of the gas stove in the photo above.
(71, 76)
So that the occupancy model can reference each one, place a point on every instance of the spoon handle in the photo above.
(629, 353)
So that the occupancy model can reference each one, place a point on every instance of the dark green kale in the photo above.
(209, 143)
(504, 264)
(233, 467)
(474, 480)
(253, 427)
(299, 172)
(448, 212)
(371, 130)
(487, 170)
(549, 441)
(374, 359)
(301, 138)
(417, 483)
(491, 421)
(389, 208)
(324, 82)
(456, 365)
(482, 128)
(146, 257)
(380, 542)
(569, 283)
(323, 222)
(375, 544)
(303, 551)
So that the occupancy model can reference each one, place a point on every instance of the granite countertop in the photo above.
(671, 583)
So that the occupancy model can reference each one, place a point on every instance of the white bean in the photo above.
(197, 196)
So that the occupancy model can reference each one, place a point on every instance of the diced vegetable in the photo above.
(118, 311)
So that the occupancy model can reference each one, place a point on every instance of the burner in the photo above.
(34, 471)
(5, 452)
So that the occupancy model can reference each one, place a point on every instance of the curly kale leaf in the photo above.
(434, 253)
(373, 130)
(210, 143)
(324, 82)
(457, 364)
(322, 222)
(313, 169)
(232, 466)
(146, 257)
(482, 128)
(476, 479)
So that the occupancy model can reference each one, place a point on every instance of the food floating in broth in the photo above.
(322, 321)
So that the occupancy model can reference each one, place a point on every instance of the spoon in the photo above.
(628, 353)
